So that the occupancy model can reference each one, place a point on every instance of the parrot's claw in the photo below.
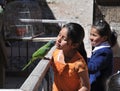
(46, 58)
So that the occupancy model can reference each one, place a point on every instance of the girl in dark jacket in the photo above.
(100, 64)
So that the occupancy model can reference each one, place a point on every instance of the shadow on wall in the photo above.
(48, 14)
(20, 51)
(29, 9)
(116, 57)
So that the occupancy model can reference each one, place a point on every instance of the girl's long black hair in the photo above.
(76, 34)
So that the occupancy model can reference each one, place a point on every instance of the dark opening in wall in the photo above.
(108, 2)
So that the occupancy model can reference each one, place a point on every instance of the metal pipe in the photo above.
(42, 21)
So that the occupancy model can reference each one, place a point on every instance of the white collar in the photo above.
(103, 45)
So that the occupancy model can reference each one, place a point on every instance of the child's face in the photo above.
(95, 38)
(62, 41)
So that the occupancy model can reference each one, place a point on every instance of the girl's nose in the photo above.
(59, 39)
(90, 37)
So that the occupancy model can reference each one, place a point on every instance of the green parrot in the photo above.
(40, 53)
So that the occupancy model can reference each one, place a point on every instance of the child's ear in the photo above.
(105, 38)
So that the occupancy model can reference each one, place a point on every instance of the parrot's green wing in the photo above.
(40, 53)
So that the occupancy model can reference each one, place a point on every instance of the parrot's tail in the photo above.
(27, 65)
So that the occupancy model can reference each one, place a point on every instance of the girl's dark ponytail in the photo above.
(82, 51)
(113, 38)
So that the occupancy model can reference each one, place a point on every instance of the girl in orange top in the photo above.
(69, 66)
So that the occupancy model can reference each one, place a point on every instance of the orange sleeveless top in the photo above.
(66, 75)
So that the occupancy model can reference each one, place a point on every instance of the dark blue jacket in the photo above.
(100, 67)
